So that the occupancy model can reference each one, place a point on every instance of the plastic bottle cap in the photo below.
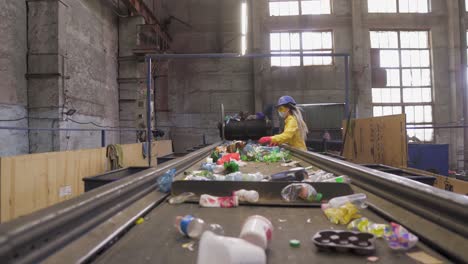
(294, 243)
(319, 197)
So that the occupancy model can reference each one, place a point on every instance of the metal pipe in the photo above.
(346, 61)
(149, 134)
(69, 129)
(238, 56)
(103, 138)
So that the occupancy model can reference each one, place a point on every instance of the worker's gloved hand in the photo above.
(273, 144)
(265, 140)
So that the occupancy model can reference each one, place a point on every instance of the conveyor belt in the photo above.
(438, 217)
(157, 241)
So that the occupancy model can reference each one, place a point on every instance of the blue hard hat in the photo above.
(284, 100)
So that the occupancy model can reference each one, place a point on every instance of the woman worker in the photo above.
(295, 129)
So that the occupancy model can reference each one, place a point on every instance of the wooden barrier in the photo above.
(32, 182)
(378, 140)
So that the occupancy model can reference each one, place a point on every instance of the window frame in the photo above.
(400, 69)
(301, 51)
(299, 2)
(429, 9)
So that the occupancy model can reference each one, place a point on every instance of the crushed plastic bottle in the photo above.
(165, 181)
(320, 176)
(181, 198)
(340, 179)
(220, 202)
(247, 196)
(365, 225)
(236, 176)
(208, 166)
(358, 199)
(343, 214)
(400, 238)
(296, 174)
(194, 227)
(304, 191)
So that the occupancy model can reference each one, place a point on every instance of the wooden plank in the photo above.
(378, 140)
(31, 182)
(5, 188)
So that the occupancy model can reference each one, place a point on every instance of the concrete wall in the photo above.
(13, 84)
(197, 88)
(72, 64)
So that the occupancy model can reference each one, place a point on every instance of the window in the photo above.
(398, 6)
(301, 43)
(244, 28)
(299, 7)
(401, 78)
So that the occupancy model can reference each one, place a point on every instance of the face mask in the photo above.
(282, 114)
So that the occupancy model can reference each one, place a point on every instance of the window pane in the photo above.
(414, 6)
(311, 40)
(311, 8)
(415, 58)
(285, 43)
(378, 111)
(389, 58)
(393, 77)
(382, 6)
(295, 41)
(414, 39)
(416, 77)
(308, 60)
(386, 95)
(417, 95)
(327, 40)
(285, 61)
(274, 9)
(315, 7)
(421, 134)
(275, 43)
(384, 39)
(293, 8)
(284, 8)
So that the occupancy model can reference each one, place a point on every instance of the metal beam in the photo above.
(439, 206)
(32, 238)
(138, 6)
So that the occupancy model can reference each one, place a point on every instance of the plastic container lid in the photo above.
(294, 243)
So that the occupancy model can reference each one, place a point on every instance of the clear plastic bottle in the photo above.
(247, 196)
(303, 191)
(358, 199)
(340, 179)
(194, 227)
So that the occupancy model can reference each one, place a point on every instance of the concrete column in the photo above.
(13, 84)
(360, 61)
(46, 60)
(132, 79)
(456, 80)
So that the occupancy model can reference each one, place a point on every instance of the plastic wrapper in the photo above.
(231, 167)
(400, 238)
(165, 181)
(303, 191)
(343, 214)
(364, 225)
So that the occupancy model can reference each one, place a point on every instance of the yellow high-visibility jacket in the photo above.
(290, 135)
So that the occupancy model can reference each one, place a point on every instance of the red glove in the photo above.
(273, 144)
(264, 140)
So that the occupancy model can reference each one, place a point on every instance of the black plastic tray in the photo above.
(345, 241)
